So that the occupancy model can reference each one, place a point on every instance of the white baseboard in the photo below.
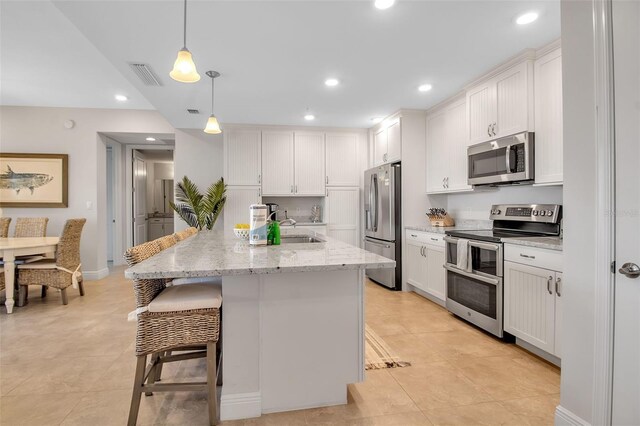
(565, 417)
(95, 275)
(240, 406)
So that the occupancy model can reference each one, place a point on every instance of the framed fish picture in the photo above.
(34, 180)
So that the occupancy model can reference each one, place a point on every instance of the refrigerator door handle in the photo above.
(376, 208)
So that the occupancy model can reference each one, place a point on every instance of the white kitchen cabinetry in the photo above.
(341, 213)
(342, 159)
(236, 209)
(309, 171)
(242, 156)
(532, 296)
(159, 227)
(277, 163)
(387, 141)
(447, 149)
(548, 118)
(501, 105)
(425, 260)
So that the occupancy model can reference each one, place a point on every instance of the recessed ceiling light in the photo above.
(150, 139)
(425, 87)
(121, 98)
(384, 4)
(527, 18)
(309, 117)
(331, 82)
(376, 120)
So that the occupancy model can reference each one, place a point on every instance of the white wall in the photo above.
(580, 211)
(199, 156)
(41, 130)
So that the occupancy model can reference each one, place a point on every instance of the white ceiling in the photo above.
(275, 55)
(128, 138)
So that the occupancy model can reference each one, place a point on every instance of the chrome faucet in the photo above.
(289, 221)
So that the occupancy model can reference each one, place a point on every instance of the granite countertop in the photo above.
(551, 243)
(209, 253)
(461, 225)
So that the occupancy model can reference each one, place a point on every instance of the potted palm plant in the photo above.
(199, 210)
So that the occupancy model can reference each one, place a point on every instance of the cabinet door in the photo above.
(436, 278)
(342, 159)
(341, 214)
(277, 163)
(557, 350)
(436, 150)
(309, 163)
(513, 104)
(416, 266)
(380, 146)
(242, 151)
(394, 142)
(481, 112)
(529, 304)
(155, 230)
(548, 118)
(456, 131)
(236, 209)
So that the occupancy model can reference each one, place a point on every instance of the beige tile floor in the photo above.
(73, 365)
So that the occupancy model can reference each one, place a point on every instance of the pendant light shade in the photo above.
(184, 69)
(212, 127)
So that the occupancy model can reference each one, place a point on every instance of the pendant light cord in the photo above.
(213, 82)
(185, 25)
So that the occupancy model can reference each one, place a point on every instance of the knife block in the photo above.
(442, 221)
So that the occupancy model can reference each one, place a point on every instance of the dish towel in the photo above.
(463, 254)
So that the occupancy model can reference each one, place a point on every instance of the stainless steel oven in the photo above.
(503, 161)
(475, 292)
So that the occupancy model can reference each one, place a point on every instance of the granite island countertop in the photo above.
(551, 243)
(210, 253)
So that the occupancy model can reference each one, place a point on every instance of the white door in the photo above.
(416, 265)
(309, 168)
(436, 277)
(394, 142)
(512, 100)
(341, 150)
(529, 304)
(277, 163)
(139, 199)
(626, 370)
(236, 209)
(341, 214)
(456, 130)
(380, 146)
(481, 112)
(436, 150)
(242, 150)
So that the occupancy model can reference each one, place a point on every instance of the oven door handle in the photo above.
(484, 246)
(493, 281)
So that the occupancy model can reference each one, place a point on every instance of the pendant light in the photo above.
(212, 127)
(184, 69)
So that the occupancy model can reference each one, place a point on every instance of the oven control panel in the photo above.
(547, 213)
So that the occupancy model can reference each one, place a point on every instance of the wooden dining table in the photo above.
(10, 248)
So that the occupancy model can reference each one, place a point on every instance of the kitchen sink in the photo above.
(299, 239)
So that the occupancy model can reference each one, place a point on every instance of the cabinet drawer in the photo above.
(425, 238)
(540, 258)
(155, 220)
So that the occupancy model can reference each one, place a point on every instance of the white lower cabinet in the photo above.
(425, 259)
(159, 227)
(236, 209)
(533, 302)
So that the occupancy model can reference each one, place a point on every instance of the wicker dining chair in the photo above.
(59, 273)
(31, 227)
(177, 318)
(4, 226)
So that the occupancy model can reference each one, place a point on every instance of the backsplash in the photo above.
(298, 208)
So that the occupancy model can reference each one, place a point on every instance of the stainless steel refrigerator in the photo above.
(383, 235)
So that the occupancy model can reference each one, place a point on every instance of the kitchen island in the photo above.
(292, 316)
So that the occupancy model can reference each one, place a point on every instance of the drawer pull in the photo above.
(414, 235)
(435, 239)
(558, 288)
(549, 284)
(527, 256)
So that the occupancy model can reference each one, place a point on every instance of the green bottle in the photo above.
(270, 233)
(276, 234)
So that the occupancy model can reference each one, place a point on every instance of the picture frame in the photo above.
(34, 180)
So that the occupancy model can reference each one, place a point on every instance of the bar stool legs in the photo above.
(137, 390)
(212, 383)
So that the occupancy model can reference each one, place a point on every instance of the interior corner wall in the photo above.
(198, 156)
(580, 209)
(41, 130)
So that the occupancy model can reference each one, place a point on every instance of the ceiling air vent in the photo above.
(193, 111)
(144, 73)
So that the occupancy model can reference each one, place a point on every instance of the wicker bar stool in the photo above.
(4, 226)
(186, 233)
(166, 241)
(61, 272)
(31, 227)
(177, 318)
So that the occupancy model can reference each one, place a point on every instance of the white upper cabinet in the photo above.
(380, 146)
(342, 159)
(277, 163)
(387, 141)
(548, 118)
(394, 142)
(242, 159)
(501, 105)
(309, 153)
(446, 149)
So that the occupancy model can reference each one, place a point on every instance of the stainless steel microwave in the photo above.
(502, 161)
